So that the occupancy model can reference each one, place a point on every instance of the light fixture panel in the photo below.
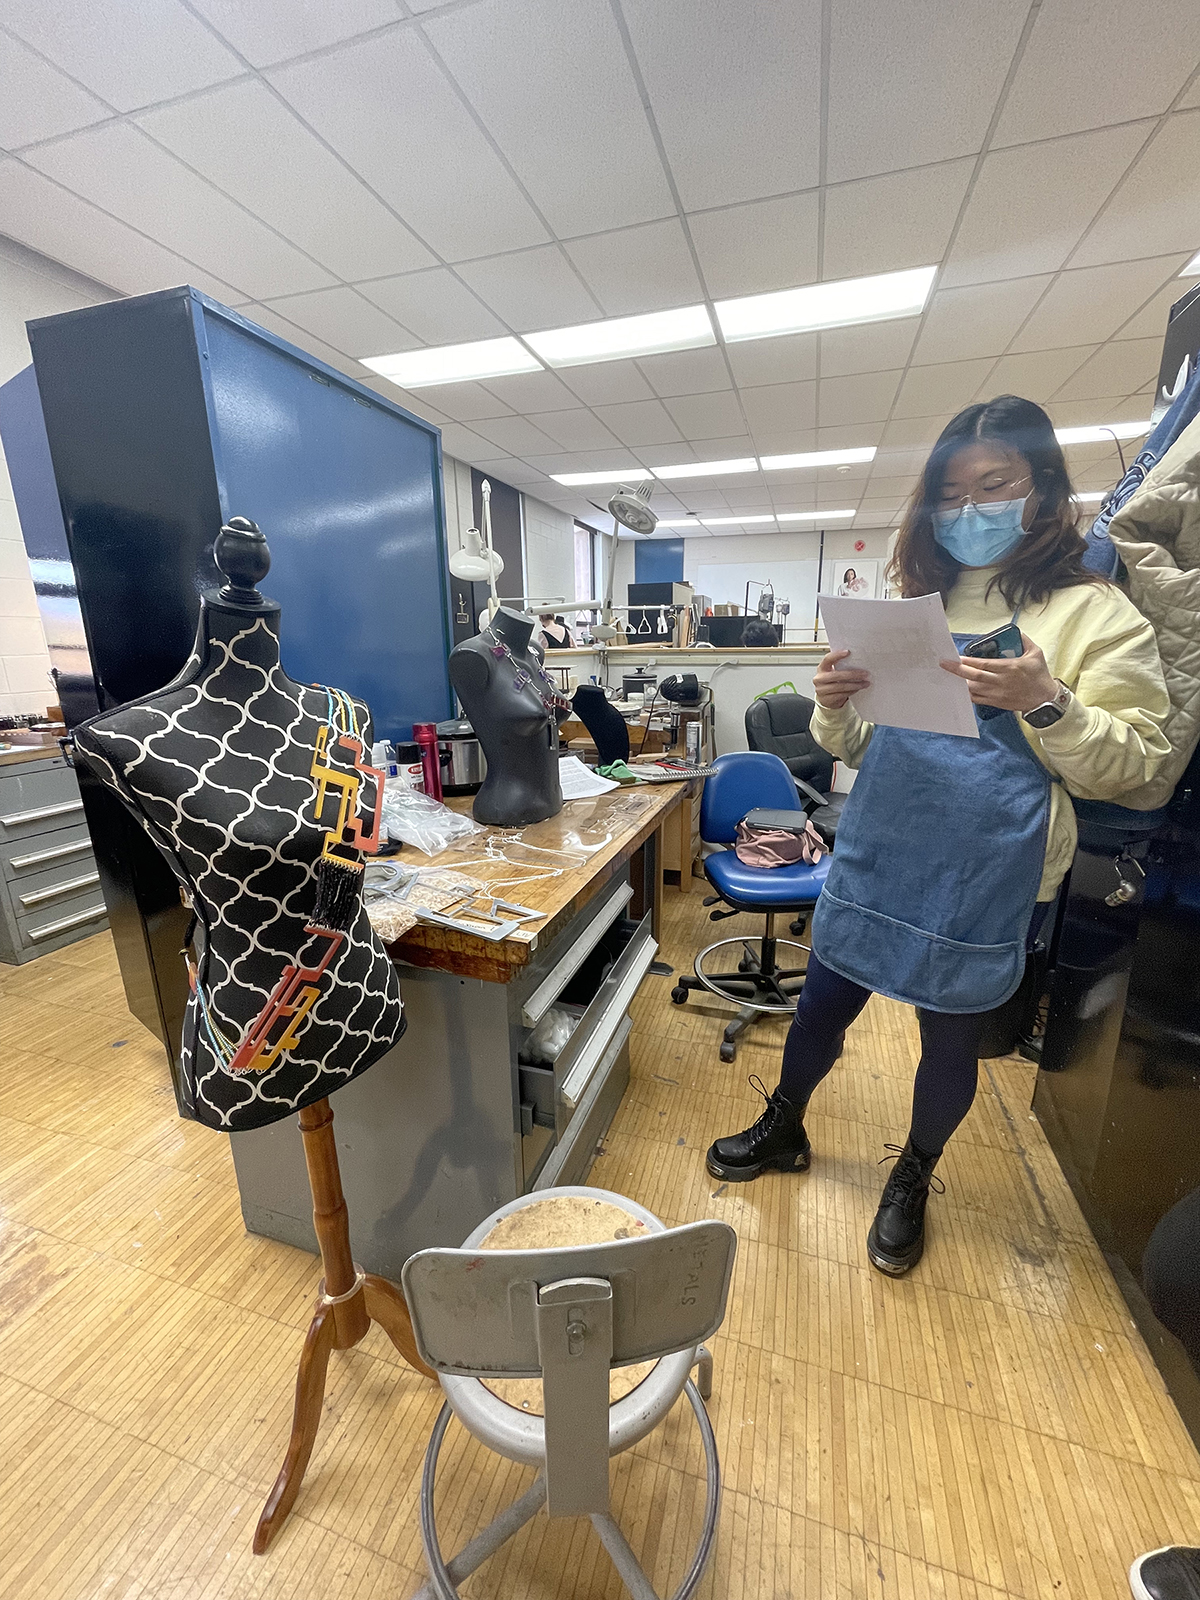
(707, 469)
(818, 458)
(879, 298)
(622, 475)
(619, 338)
(1102, 432)
(455, 363)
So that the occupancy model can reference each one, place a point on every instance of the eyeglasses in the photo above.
(989, 508)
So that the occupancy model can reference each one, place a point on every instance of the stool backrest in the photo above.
(743, 780)
(474, 1312)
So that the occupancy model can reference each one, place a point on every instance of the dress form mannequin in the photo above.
(246, 780)
(515, 711)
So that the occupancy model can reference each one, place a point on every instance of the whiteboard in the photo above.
(795, 581)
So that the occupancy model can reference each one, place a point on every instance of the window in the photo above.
(585, 562)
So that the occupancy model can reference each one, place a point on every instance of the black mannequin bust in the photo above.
(515, 710)
(255, 789)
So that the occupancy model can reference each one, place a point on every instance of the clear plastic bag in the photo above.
(548, 1039)
(414, 818)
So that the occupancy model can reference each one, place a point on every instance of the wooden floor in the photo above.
(990, 1426)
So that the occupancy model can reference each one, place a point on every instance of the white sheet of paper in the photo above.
(578, 782)
(900, 643)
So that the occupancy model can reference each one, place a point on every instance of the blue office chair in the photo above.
(745, 779)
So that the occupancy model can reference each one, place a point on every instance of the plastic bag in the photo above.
(548, 1039)
(414, 818)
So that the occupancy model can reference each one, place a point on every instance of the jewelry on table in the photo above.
(545, 691)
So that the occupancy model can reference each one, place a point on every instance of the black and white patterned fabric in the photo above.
(217, 766)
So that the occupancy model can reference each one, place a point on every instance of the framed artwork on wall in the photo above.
(857, 578)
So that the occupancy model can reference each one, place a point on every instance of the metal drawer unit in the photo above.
(49, 886)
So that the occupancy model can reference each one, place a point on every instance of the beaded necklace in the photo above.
(551, 699)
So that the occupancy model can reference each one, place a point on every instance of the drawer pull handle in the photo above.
(548, 991)
(16, 819)
(53, 892)
(77, 921)
(40, 857)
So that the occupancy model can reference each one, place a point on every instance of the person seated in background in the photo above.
(554, 631)
(759, 635)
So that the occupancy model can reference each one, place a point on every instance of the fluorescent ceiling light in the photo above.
(826, 305)
(814, 516)
(1102, 432)
(728, 522)
(625, 475)
(707, 469)
(1192, 270)
(681, 522)
(454, 363)
(818, 458)
(685, 328)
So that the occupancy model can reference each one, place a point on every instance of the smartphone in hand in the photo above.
(1002, 643)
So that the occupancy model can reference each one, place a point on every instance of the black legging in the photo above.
(947, 1073)
(1171, 1272)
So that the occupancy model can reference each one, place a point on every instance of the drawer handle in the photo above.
(18, 863)
(548, 991)
(576, 1081)
(77, 921)
(16, 818)
(69, 887)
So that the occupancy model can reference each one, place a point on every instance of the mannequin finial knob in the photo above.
(241, 554)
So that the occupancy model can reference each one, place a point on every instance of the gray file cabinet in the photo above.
(49, 887)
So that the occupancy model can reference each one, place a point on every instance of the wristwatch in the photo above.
(1050, 711)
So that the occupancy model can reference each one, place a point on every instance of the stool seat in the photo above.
(759, 889)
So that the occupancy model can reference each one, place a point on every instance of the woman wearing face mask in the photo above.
(949, 850)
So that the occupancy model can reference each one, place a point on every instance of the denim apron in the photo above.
(935, 873)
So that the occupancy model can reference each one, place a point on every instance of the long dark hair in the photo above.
(1049, 557)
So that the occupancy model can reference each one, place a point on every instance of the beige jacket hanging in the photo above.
(1157, 535)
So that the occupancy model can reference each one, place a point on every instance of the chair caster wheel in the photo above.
(797, 928)
(679, 994)
(729, 1052)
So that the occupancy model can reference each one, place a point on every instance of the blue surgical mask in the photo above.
(980, 536)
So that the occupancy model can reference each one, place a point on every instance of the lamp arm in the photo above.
(485, 491)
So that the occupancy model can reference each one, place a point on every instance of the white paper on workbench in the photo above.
(900, 643)
(579, 782)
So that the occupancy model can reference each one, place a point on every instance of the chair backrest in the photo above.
(474, 1312)
(743, 779)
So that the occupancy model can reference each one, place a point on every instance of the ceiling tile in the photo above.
(46, 217)
(511, 470)
(1030, 206)
(1154, 210)
(902, 219)
(638, 269)
(306, 339)
(531, 289)
(1037, 374)
(862, 397)
(584, 461)
(906, 89)
(899, 462)
(786, 360)
(848, 436)
(343, 319)
(1151, 320)
(580, 429)
(419, 149)
(37, 101)
(245, 141)
(1086, 413)
(130, 55)
(118, 168)
(465, 402)
(735, 91)
(533, 391)
(706, 416)
(266, 31)
(1089, 304)
(945, 386)
(553, 85)
(390, 391)
(780, 407)
(516, 435)
(1118, 368)
(750, 249)
(893, 489)
(466, 445)
(870, 347)
(686, 372)
(607, 383)
(1141, 68)
(642, 422)
(979, 320)
(435, 306)
(919, 433)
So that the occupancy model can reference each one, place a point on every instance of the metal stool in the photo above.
(568, 1314)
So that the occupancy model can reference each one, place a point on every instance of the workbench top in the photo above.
(586, 844)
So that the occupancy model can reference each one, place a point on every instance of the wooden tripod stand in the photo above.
(348, 1302)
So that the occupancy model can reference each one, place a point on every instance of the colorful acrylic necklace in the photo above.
(551, 699)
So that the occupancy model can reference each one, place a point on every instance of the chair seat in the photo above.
(766, 888)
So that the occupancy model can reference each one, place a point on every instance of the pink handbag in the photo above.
(767, 838)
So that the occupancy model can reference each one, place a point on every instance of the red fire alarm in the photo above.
(860, 545)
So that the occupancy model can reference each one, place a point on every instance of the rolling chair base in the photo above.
(758, 988)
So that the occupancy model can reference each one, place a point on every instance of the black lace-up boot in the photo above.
(1172, 1573)
(776, 1140)
(897, 1237)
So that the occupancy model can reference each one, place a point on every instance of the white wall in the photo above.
(549, 550)
(30, 286)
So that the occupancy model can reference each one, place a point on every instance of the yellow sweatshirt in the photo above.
(1110, 740)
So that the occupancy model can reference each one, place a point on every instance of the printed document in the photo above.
(900, 643)
(580, 782)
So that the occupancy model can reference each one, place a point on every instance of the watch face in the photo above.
(1044, 716)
